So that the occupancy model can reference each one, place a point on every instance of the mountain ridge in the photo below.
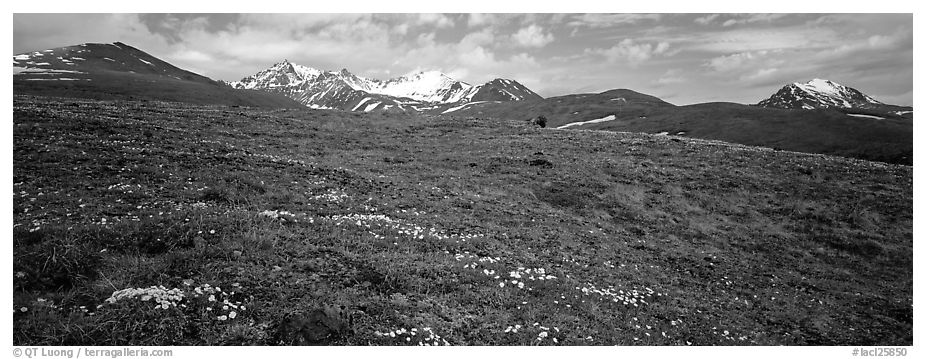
(418, 91)
(117, 70)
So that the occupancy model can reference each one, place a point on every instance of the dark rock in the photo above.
(541, 162)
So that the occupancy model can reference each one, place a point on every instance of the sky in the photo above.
(683, 58)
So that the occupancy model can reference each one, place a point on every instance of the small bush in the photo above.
(540, 121)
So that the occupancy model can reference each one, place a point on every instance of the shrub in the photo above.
(540, 121)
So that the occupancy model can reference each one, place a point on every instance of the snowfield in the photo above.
(597, 120)
(865, 116)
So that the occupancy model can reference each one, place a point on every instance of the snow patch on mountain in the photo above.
(371, 107)
(427, 86)
(457, 108)
(873, 117)
(365, 99)
(597, 120)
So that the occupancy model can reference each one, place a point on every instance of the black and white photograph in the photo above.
(479, 179)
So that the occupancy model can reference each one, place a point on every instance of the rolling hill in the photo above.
(827, 131)
(119, 71)
(179, 224)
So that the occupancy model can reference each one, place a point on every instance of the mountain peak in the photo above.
(501, 89)
(427, 74)
(282, 64)
(818, 93)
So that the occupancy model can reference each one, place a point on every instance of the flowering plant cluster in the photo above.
(423, 337)
(208, 301)
(277, 214)
(163, 297)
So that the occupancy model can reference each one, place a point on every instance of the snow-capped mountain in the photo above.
(120, 71)
(79, 62)
(817, 94)
(419, 91)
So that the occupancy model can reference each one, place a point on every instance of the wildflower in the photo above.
(222, 317)
(146, 298)
(232, 315)
(165, 306)
(212, 297)
(23, 309)
(20, 274)
(211, 231)
(502, 284)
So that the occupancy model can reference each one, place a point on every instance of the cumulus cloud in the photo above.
(704, 20)
(734, 61)
(631, 51)
(42, 31)
(477, 19)
(532, 36)
(438, 20)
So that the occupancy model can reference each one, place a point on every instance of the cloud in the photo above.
(532, 36)
(43, 31)
(753, 18)
(671, 76)
(753, 39)
(630, 51)
(477, 19)
(437, 20)
(752, 55)
(609, 20)
(704, 20)
(484, 37)
(735, 61)
(760, 74)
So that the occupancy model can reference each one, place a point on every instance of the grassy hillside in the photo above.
(562, 110)
(818, 131)
(831, 132)
(152, 223)
(105, 85)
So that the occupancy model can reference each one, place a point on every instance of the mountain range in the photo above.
(818, 116)
(342, 90)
